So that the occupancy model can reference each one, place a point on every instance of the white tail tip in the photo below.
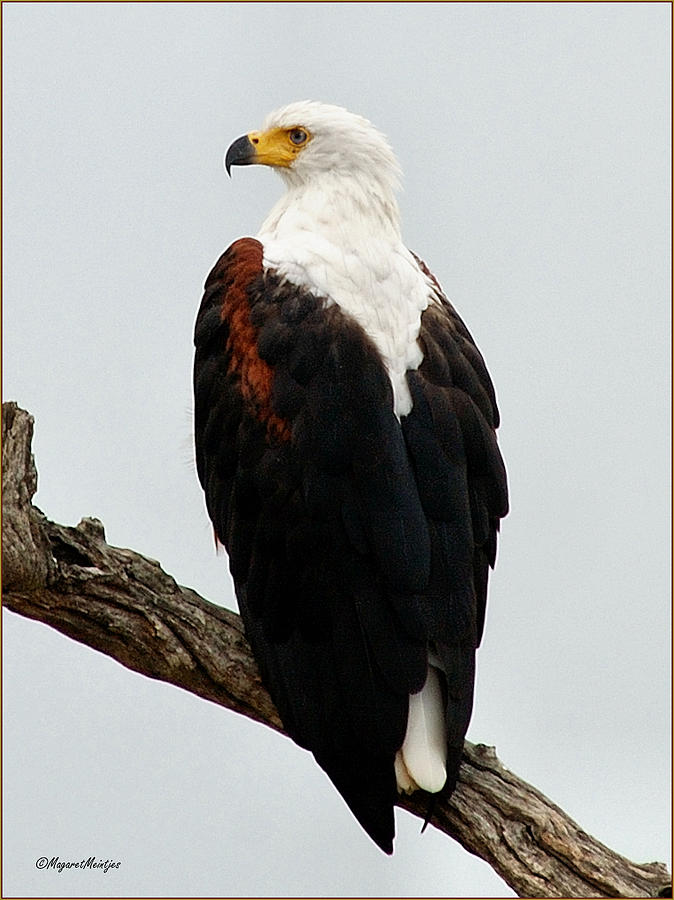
(421, 762)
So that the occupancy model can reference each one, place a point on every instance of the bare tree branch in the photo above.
(126, 606)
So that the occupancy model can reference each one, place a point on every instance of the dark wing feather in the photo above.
(309, 488)
(451, 440)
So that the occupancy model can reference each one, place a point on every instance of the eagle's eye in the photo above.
(298, 135)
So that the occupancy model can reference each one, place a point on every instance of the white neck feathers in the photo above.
(348, 207)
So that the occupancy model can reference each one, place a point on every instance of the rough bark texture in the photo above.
(126, 606)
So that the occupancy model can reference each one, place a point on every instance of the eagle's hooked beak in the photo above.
(241, 153)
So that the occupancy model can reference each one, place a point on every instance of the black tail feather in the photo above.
(370, 793)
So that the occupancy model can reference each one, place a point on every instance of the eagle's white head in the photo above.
(311, 143)
(307, 139)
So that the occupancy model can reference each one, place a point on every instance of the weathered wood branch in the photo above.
(126, 606)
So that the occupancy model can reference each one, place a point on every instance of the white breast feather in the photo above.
(371, 277)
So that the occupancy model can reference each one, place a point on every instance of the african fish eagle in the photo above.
(345, 441)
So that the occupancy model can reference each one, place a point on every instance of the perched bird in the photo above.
(345, 441)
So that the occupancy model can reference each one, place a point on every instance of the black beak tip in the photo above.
(241, 153)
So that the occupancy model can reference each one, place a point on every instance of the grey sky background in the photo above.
(535, 144)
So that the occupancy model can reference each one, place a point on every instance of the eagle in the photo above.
(345, 432)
